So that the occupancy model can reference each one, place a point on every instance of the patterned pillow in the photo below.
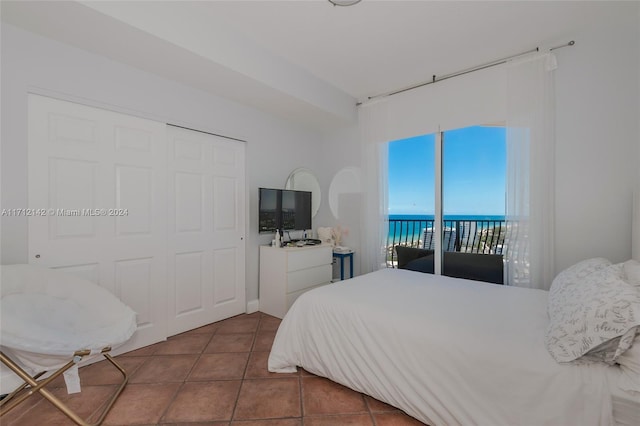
(573, 275)
(592, 313)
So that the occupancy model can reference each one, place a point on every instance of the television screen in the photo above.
(269, 210)
(296, 210)
(284, 209)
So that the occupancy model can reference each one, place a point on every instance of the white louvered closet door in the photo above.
(206, 225)
(81, 160)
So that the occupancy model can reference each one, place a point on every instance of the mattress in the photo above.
(446, 351)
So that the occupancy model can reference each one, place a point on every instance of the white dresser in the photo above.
(286, 273)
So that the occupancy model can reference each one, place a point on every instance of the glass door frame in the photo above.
(438, 213)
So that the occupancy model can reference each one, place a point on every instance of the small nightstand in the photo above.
(341, 256)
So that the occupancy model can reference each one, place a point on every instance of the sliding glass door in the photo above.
(411, 196)
(473, 202)
(447, 193)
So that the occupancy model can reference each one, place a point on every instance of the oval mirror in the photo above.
(346, 181)
(304, 180)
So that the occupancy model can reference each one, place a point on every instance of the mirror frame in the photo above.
(313, 186)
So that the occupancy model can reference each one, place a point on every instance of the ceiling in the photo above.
(307, 60)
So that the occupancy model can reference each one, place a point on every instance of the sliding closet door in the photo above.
(97, 180)
(206, 199)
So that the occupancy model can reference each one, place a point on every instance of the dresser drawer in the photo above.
(307, 258)
(287, 272)
(299, 280)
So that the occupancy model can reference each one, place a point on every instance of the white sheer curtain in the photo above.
(374, 148)
(467, 100)
(529, 256)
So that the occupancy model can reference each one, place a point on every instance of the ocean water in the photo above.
(446, 217)
(401, 231)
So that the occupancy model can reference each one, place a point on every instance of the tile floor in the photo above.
(214, 375)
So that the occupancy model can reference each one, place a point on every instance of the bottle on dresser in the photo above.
(278, 242)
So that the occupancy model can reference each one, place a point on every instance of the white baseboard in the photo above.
(253, 306)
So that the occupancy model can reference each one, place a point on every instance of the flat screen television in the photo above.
(283, 209)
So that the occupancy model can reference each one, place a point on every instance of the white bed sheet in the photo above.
(446, 351)
(626, 405)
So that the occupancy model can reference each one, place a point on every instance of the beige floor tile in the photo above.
(239, 325)
(235, 342)
(84, 404)
(257, 368)
(395, 419)
(145, 351)
(342, 420)
(376, 406)
(161, 369)
(21, 409)
(104, 373)
(268, 398)
(142, 404)
(269, 323)
(206, 401)
(205, 329)
(264, 340)
(268, 422)
(322, 396)
(215, 375)
(184, 344)
(220, 366)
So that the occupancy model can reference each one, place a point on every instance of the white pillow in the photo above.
(632, 272)
(594, 314)
(630, 366)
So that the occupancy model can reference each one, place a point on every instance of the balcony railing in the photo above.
(466, 236)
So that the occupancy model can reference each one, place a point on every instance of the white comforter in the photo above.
(446, 351)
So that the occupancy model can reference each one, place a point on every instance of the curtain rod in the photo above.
(436, 79)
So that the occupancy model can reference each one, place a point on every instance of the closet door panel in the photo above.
(206, 216)
(101, 178)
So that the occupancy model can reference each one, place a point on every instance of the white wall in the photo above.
(33, 63)
(341, 149)
(598, 140)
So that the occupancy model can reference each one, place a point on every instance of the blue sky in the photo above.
(474, 167)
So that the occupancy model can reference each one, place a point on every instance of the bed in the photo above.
(448, 351)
